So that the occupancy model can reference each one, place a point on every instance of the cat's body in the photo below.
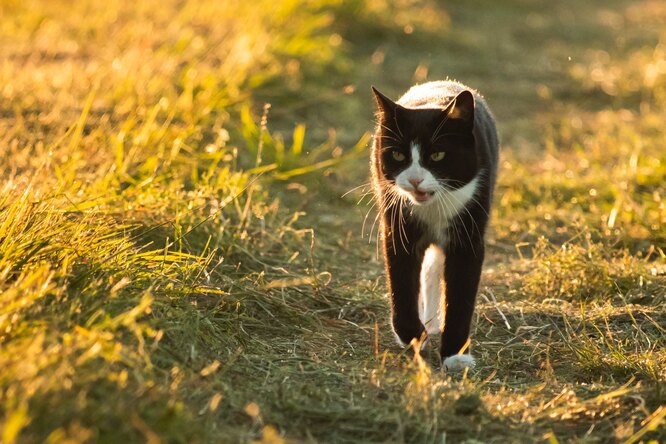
(434, 163)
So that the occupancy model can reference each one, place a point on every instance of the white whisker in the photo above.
(374, 205)
(398, 134)
(363, 185)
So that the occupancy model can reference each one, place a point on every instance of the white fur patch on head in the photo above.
(458, 363)
(414, 172)
(415, 181)
(416, 153)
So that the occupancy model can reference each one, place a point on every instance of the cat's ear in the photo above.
(462, 108)
(385, 106)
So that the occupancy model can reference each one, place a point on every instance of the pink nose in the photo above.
(415, 182)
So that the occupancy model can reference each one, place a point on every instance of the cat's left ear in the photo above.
(385, 105)
(462, 108)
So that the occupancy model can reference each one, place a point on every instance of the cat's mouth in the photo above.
(422, 196)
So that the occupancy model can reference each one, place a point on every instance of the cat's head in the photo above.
(426, 153)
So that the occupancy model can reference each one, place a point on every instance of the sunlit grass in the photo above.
(176, 263)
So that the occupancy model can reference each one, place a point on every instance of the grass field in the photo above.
(183, 253)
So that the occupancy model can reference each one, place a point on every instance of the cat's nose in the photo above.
(415, 182)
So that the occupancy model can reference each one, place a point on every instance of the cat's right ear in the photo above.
(385, 106)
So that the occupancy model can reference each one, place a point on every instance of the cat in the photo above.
(433, 165)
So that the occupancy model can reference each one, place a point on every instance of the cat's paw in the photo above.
(406, 332)
(423, 337)
(458, 363)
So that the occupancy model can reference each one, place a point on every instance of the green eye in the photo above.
(397, 155)
(439, 155)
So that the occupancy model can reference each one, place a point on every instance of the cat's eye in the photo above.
(397, 155)
(436, 157)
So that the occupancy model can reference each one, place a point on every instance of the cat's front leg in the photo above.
(403, 268)
(462, 272)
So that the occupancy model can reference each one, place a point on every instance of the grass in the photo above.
(177, 263)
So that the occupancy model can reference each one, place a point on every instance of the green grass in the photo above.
(178, 264)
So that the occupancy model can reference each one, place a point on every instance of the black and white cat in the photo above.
(434, 163)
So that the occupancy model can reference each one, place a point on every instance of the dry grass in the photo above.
(177, 264)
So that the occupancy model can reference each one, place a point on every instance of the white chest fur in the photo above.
(446, 205)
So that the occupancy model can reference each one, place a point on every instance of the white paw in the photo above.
(458, 363)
